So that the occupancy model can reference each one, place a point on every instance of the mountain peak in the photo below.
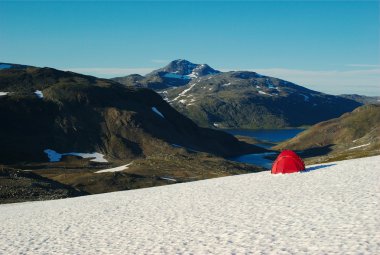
(184, 67)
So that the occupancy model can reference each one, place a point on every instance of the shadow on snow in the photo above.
(313, 168)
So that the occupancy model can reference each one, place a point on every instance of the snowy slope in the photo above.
(333, 209)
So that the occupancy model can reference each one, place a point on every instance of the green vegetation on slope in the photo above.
(354, 134)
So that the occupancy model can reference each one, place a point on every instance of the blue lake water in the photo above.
(268, 135)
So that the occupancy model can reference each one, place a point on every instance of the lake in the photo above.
(267, 135)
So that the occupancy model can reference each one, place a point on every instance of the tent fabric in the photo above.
(287, 162)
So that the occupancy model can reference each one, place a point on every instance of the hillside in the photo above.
(362, 99)
(330, 209)
(354, 134)
(20, 186)
(84, 113)
(241, 99)
(47, 114)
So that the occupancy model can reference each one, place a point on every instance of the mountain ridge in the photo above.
(73, 105)
(242, 99)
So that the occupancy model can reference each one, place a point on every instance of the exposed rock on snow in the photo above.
(332, 209)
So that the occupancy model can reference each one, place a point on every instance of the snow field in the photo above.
(331, 209)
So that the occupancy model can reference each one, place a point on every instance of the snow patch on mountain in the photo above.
(360, 146)
(183, 93)
(115, 169)
(264, 93)
(154, 109)
(39, 94)
(167, 178)
(56, 157)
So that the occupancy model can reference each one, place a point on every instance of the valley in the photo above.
(90, 135)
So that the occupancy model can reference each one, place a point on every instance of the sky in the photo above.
(329, 46)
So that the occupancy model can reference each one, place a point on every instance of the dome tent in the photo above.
(287, 162)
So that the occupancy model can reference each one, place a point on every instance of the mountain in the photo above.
(239, 99)
(177, 73)
(184, 69)
(362, 99)
(47, 114)
(249, 100)
(354, 134)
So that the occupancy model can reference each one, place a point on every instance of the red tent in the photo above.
(287, 162)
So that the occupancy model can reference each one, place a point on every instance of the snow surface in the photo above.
(115, 169)
(39, 94)
(264, 93)
(360, 146)
(331, 209)
(168, 179)
(183, 93)
(154, 109)
(56, 157)
(3, 93)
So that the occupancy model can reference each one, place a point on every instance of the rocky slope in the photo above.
(250, 100)
(19, 186)
(354, 134)
(241, 99)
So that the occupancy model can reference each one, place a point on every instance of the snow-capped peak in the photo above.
(183, 69)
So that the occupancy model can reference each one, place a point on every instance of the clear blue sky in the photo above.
(296, 40)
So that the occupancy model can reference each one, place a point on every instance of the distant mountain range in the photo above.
(362, 99)
(240, 99)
